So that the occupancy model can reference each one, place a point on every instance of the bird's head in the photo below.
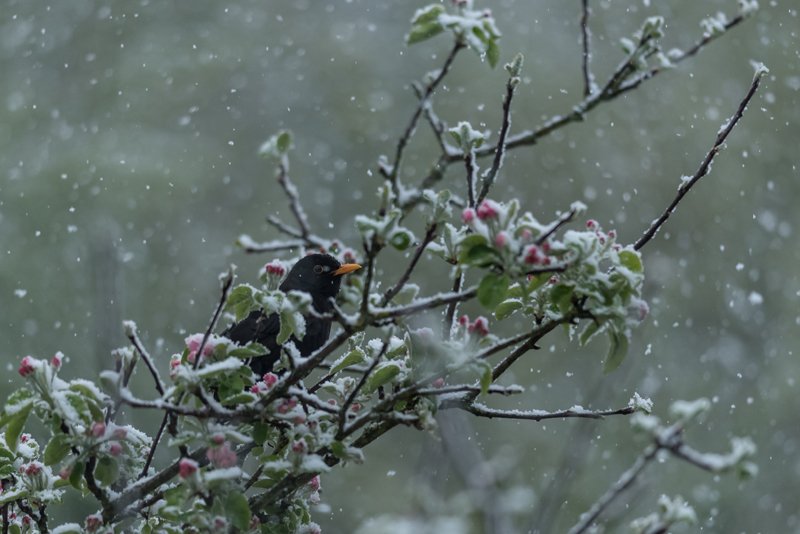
(320, 275)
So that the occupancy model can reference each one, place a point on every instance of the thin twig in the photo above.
(500, 148)
(227, 282)
(437, 125)
(430, 235)
(539, 415)
(151, 453)
(133, 336)
(310, 240)
(472, 174)
(565, 218)
(449, 315)
(588, 81)
(688, 53)
(705, 166)
(625, 480)
(253, 247)
(425, 304)
(394, 170)
(353, 394)
(294, 198)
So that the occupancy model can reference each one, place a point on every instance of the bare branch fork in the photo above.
(392, 172)
(705, 166)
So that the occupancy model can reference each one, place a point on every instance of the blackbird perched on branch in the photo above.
(319, 275)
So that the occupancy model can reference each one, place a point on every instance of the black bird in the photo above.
(319, 275)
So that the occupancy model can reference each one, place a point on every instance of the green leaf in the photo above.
(353, 357)
(76, 475)
(241, 302)
(428, 13)
(107, 470)
(507, 308)
(493, 289)
(251, 350)
(561, 294)
(260, 433)
(287, 327)
(486, 377)
(422, 32)
(57, 448)
(15, 425)
(401, 239)
(425, 24)
(382, 375)
(283, 141)
(237, 509)
(632, 260)
(617, 350)
(492, 53)
(591, 329)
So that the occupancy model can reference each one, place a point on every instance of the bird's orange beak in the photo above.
(346, 268)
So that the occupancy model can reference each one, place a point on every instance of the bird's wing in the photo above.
(261, 329)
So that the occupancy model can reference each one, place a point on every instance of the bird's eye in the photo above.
(318, 269)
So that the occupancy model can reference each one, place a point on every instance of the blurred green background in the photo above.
(128, 167)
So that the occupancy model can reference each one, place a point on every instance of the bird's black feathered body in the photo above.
(319, 275)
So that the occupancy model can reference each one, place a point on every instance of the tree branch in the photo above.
(537, 415)
(430, 235)
(588, 79)
(688, 182)
(393, 172)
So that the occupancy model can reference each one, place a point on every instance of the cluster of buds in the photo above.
(537, 255)
(35, 476)
(603, 237)
(194, 342)
(220, 453)
(273, 274)
(478, 328)
(265, 384)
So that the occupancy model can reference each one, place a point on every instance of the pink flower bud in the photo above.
(612, 234)
(93, 522)
(287, 405)
(488, 210)
(187, 467)
(56, 360)
(270, 379)
(533, 255)
(480, 326)
(314, 483)
(33, 469)
(299, 447)
(114, 448)
(65, 473)
(218, 439)
(24, 438)
(27, 366)
(438, 383)
(501, 240)
(256, 388)
(220, 523)
(275, 268)
(468, 215)
(222, 456)
(98, 429)
(591, 224)
(120, 433)
(355, 407)
(463, 320)
(332, 402)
